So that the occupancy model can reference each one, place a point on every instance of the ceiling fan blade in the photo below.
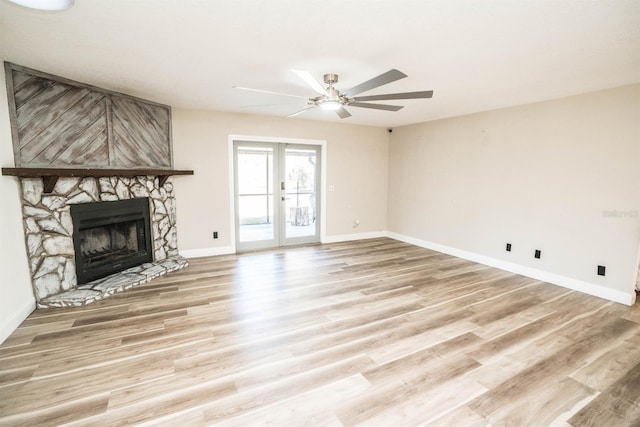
(405, 95)
(376, 106)
(343, 113)
(301, 111)
(382, 79)
(311, 81)
(269, 92)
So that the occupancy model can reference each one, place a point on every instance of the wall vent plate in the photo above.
(601, 270)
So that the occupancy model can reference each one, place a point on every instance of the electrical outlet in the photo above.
(508, 247)
(215, 234)
(537, 254)
(601, 270)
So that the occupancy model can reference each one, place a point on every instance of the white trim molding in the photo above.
(350, 237)
(203, 252)
(534, 273)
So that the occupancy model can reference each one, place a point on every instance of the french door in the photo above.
(276, 194)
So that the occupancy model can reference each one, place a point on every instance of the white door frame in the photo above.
(276, 140)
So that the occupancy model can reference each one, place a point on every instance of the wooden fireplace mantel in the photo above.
(50, 175)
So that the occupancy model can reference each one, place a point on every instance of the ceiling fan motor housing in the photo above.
(330, 78)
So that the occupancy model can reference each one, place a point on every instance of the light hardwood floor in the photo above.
(375, 332)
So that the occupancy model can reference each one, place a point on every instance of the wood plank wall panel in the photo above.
(140, 133)
(61, 123)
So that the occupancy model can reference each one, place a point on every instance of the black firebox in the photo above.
(109, 237)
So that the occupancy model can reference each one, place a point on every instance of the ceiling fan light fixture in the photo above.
(330, 105)
(332, 99)
(48, 5)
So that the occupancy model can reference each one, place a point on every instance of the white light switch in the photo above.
(332, 188)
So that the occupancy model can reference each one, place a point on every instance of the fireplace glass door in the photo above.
(109, 237)
(107, 244)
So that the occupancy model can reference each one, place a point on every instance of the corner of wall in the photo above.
(10, 323)
(16, 294)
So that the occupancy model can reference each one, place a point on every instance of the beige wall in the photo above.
(16, 294)
(560, 176)
(357, 161)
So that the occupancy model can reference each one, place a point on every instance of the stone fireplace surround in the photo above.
(49, 236)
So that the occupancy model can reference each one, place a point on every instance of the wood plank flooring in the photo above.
(375, 332)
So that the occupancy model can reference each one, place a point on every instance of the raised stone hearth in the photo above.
(49, 236)
(102, 288)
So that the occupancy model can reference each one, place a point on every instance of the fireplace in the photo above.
(54, 241)
(109, 237)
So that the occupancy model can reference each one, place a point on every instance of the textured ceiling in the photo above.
(475, 55)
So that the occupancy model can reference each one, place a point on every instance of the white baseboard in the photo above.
(198, 253)
(9, 325)
(356, 236)
(534, 273)
(226, 250)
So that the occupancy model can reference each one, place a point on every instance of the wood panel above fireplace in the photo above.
(57, 122)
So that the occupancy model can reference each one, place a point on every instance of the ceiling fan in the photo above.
(330, 98)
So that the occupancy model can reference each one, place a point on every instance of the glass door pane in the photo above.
(254, 195)
(300, 194)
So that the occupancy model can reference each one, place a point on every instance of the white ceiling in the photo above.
(475, 54)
